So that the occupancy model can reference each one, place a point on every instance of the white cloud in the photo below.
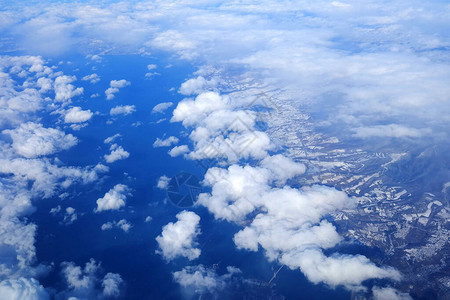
(45, 84)
(77, 115)
(347, 270)
(70, 216)
(112, 138)
(161, 107)
(171, 140)
(114, 87)
(122, 224)
(117, 153)
(178, 150)
(389, 293)
(201, 279)
(93, 78)
(32, 179)
(85, 283)
(197, 86)
(179, 238)
(191, 112)
(292, 229)
(111, 284)
(151, 67)
(17, 243)
(114, 199)
(33, 140)
(45, 177)
(391, 130)
(55, 210)
(80, 278)
(22, 288)
(122, 110)
(64, 90)
(163, 182)
(282, 167)
(221, 130)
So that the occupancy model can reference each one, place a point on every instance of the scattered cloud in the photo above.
(163, 182)
(179, 238)
(291, 230)
(197, 85)
(86, 283)
(22, 288)
(122, 110)
(114, 199)
(122, 224)
(171, 140)
(112, 138)
(161, 107)
(221, 130)
(92, 78)
(70, 215)
(178, 150)
(33, 140)
(114, 87)
(117, 153)
(389, 293)
(77, 115)
(64, 90)
(111, 284)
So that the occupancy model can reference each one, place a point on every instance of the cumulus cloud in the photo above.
(114, 87)
(93, 78)
(45, 177)
(178, 150)
(282, 167)
(163, 182)
(151, 67)
(221, 130)
(161, 107)
(200, 279)
(22, 288)
(171, 140)
(179, 238)
(347, 270)
(27, 180)
(122, 224)
(77, 115)
(114, 199)
(45, 84)
(86, 283)
(117, 153)
(197, 85)
(389, 293)
(112, 138)
(64, 90)
(70, 215)
(122, 110)
(290, 223)
(111, 284)
(33, 140)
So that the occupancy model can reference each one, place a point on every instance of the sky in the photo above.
(102, 103)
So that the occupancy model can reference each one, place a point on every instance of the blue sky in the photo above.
(102, 102)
